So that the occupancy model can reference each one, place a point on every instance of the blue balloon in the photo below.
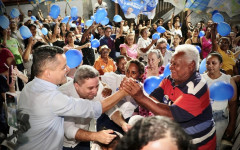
(95, 43)
(100, 15)
(74, 11)
(92, 37)
(4, 22)
(161, 29)
(221, 90)
(74, 58)
(14, 13)
(105, 21)
(44, 31)
(73, 25)
(155, 36)
(25, 32)
(65, 19)
(201, 33)
(151, 83)
(54, 11)
(214, 12)
(167, 71)
(217, 18)
(92, 18)
(202, 67)
(223, 29)
(151, 5)
(117, 18)
(199, 49)
(89, 23)
(33, 18)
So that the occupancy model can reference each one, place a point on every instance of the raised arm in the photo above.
(213, 37)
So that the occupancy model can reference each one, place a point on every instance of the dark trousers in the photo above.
(105, 122)
(80, 146)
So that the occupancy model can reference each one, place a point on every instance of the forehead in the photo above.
(178, 56)
(90, 82)
(133, 67)
(161, 44)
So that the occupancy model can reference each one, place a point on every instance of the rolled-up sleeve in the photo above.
(70, 130)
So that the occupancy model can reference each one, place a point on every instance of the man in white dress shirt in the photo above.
(86, 85)
(46, 105)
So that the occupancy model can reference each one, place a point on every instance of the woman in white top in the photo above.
(222, 110)
(145, 43)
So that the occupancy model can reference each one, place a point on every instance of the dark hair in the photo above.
(43, 56)
(152, 129)
(61, 32)
(47, 26)
(113, 143)
(35, 46)
(117, 59)
(216, 54)
(141, 67)
(32, 25)
(30, 11)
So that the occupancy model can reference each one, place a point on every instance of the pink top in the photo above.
(131, 52)
(206, 46)
(142, 111)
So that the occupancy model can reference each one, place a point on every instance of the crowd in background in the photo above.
(120, 44)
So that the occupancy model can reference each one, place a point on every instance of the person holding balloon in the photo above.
(154, 68)
(224, 111)
(206, 42)
(129, 48)
(55, 38)
(145, 43)
(162, 46)
(222, 47)
(70, 38)
(182, 96)
(194, 40)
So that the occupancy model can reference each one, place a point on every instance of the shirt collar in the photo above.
(45, 83)
(194, 75)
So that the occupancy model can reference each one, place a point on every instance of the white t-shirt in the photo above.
(217, 105)
(143, 44)
(97, 5)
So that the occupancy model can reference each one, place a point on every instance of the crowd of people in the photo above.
(108, 85)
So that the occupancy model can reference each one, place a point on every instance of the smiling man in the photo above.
(183, 96)
(46, 105)
(86, 85)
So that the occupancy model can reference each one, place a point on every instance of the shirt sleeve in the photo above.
(70, 130)
(63, 105)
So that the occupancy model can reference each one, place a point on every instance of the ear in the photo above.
(76, 86)
(192, 66)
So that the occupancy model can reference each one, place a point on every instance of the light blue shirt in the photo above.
(46, 105)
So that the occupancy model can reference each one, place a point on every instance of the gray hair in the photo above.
(85, 72)
(161, 40)
(158, 54)
(191, 53)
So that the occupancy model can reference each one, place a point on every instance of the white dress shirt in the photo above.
(72, 124)
(46, 106)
